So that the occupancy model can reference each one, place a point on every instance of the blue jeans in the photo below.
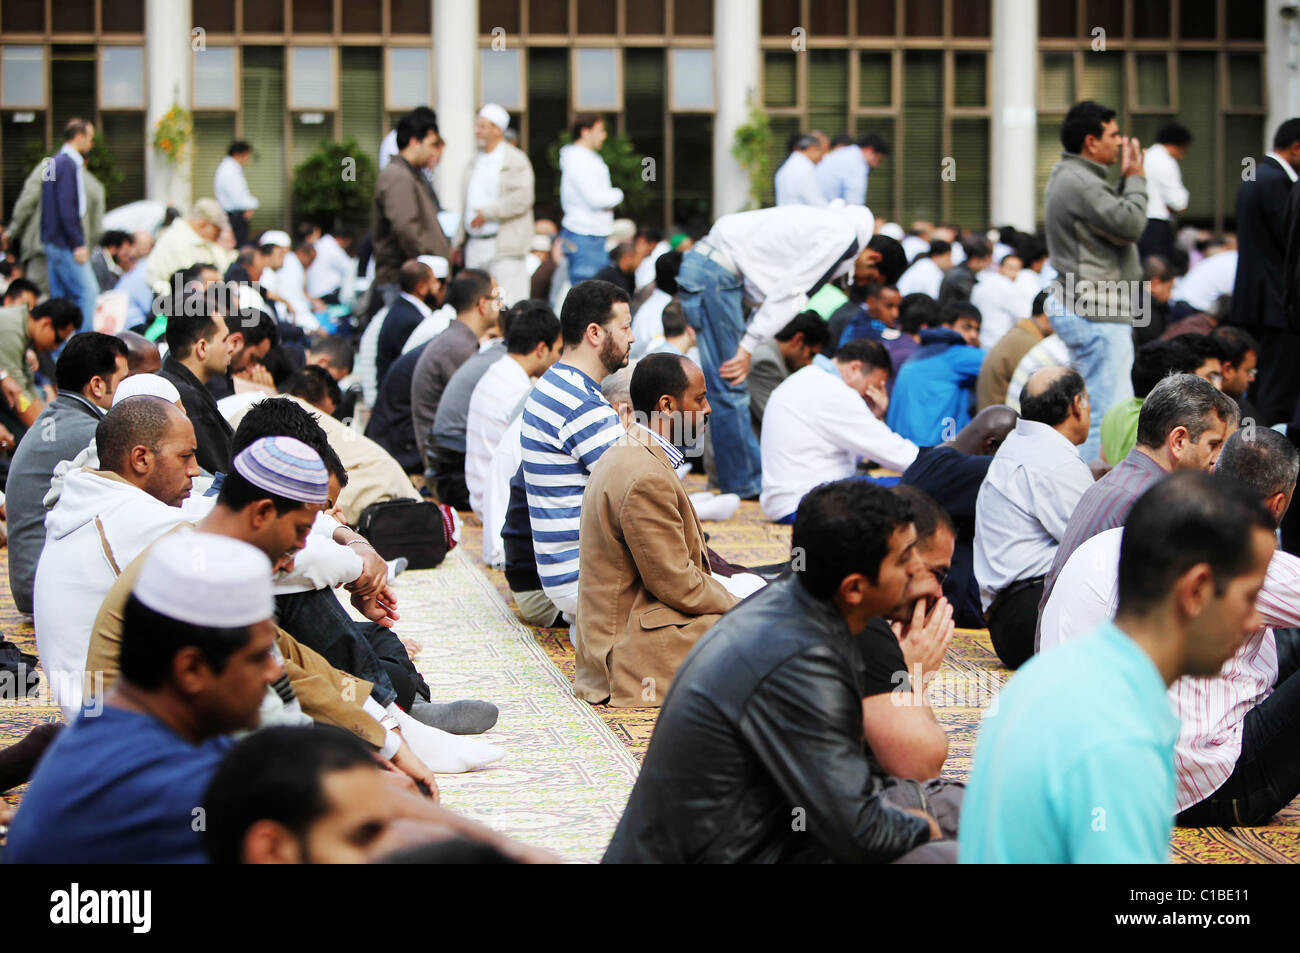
(73, 281)
(1103, 353)
(586, 254)
(711, 301)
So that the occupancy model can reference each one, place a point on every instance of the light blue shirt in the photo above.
(796, 182)
(842, 174)
(1075, 763)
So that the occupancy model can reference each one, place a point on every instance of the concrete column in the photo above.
(169, 61)
(455, 72)
(1282, 65)
(735, 70)
(1015, 113)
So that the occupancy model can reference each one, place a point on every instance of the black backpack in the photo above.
(419, 530)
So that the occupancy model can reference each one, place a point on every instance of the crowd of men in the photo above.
(958, 426)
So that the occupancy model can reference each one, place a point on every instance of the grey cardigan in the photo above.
(1092, 231)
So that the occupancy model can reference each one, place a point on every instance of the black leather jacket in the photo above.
(758, 755)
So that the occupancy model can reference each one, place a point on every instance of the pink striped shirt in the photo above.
(1211, 710)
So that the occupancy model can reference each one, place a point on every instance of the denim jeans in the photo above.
(586, 254)
(73, 281)
(317, 620)
(1103, 353)
(711, 301)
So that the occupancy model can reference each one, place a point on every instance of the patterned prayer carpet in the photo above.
(571, 765)
(968, 682)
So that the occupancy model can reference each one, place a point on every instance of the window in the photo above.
(408, 77)
(500, 77)
(311, 73)
(1176, 64)
(692, 79)
(215, 73)
(596, 80)
(121, 77)
(915, 73)
(22, 76)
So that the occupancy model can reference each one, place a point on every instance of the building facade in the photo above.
(968, 93)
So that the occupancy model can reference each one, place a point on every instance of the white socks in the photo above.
(717, 507)
(445, 753)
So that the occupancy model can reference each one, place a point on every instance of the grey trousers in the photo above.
(942, 801)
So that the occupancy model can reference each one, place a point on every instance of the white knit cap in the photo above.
(894, 231)
(206, 579)
(275, 237)
(146, 385)
(436, 264)
(496, 115)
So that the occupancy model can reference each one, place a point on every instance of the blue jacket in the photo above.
(60, 206)
(933, 390)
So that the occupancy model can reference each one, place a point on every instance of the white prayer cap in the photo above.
(146, 385)
(893, 230)
(206, 579)
(496, 115)
(436, 264)
(275, 237)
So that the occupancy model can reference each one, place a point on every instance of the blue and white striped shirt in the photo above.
(567, 425)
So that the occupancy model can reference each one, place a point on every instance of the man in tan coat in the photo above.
(645, 593)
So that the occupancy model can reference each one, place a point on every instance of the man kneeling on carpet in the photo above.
(758, 755)
(645, 592)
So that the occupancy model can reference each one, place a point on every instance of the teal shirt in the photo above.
(1075, 761)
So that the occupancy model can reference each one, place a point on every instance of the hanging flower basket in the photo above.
(172, 134)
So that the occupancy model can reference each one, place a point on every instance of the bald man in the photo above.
(142, 355)
(1033, 485)
(951, 474)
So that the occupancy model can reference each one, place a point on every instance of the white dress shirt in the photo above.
(1212, 710)
(648, 322)
(230, 187)
(484, 189)
(506, 460)
(80, 162)
(331, 270)
(781, 253)
(1001, 305)
(1211, 278)
(1165, 190)
(289, 281)
(914, 245)
(796, 182)
(645, 272)
(495, 399)
(1286, 166)
(923, 277)
(434, 323)
(367, 358)
(388, 148)
(816, 428)
(1032, 487)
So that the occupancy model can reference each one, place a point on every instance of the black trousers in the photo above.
(1157, 238)
(239, 225)
(1013, 617)
(1267, 775)
(364, 649)
(1277, 387)
(450, 470)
